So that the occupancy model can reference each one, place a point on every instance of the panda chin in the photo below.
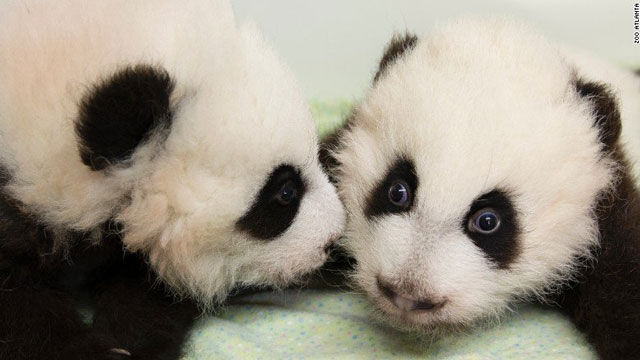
(428, 323)
(285, 273)
(419, 317)
(397, 308)
(406, 305)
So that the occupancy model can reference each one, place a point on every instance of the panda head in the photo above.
(236, 196)
(186, 131)
(471, 172)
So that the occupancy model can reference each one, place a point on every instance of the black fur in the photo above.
(605, 301)
(331, 143)
(501, 246)
(378, 203)
(140, 313)
(605, 110)
(335, 271)
(40, 280)
(39, 316)
(122, 112)
(396, 48)
(267, 217)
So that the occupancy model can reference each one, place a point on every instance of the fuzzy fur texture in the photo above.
(237, 115)
(156, 122)
(480, 105)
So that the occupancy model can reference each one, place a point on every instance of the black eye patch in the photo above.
(276, 205)
(501, 245)
(396, 192)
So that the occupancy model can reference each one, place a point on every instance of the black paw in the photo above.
(93, 347)
(118, 354)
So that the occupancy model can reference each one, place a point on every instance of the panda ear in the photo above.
(331, 144)
(396, 48)
(121, 112)
(605, 111)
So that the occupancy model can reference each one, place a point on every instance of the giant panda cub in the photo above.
(484, 167)
(160, 126)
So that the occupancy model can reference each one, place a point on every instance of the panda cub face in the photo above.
(236, 195)
(470, 174)
(168, 120)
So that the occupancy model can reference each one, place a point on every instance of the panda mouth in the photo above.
(405, 303)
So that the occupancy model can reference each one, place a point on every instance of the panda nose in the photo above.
(407, 303)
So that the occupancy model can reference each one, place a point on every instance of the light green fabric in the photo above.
(308, 324)
(330, 114)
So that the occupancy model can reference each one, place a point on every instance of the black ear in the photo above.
(605, 110)
(396, 48)
(331, 143)
(121, 112)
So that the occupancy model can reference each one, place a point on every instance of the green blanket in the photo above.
(308, 324)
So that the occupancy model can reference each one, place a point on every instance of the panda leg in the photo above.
(145, 319)
(606, 303)
(38, 322)
(607, 308)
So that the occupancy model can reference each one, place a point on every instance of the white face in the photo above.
(470, 174)
(227, 192)
(237, 194)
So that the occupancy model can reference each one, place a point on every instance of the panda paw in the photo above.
(94, 347)
(118, 354)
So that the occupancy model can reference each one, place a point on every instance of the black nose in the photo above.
(407, 303)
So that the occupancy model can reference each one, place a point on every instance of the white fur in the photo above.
(626, 87)
(239, 115)
(478, 104)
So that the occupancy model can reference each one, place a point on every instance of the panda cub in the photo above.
(161, 127)
(485, 167)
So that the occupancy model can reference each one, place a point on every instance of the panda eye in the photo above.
(491, 223)
(287, 193)
(395, 193)
(399, 193)
(276, 204)
(484, 221)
